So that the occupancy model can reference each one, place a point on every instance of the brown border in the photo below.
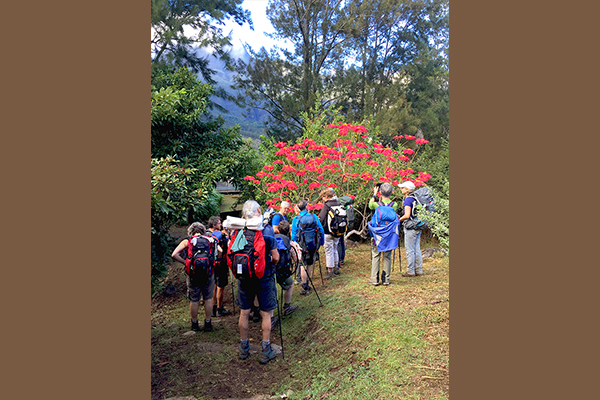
(76, 147)
(519, 94)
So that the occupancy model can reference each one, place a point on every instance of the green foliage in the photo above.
(190, 152)
(437, 162)
(173, 20)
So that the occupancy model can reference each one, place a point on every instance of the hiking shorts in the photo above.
(287, 283)
(194, 291)
(221, 275)
(264, 288)
(308, 257)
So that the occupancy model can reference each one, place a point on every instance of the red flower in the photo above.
(249, 178)
(268, 167)
(280, 144)
(399, 137)
(314, 185)
(409, 137)
(278, 162)
(372, 162)
(421, 141)
(408, 151)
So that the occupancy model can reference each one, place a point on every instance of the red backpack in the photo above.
(248, 262)
(200, 257)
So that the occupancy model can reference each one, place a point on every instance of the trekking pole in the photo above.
(312, 284)
(393, 256)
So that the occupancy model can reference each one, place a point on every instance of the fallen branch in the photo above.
(430, 377)
(423, 366)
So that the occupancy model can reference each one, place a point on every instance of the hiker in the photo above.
(308, 232)
(347, 202)
(412, 237)
(221, 270)
(197, 287)
(263, 287)
(280, 216)
(331, 241)
(286, 256)
(385, 238)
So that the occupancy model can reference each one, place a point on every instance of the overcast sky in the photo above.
(254, 38)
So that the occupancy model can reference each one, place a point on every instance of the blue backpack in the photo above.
(383, 227)
(309, 235)
(384, 215)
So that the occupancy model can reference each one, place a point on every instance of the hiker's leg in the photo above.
(243, 323)
(208, 293)
(336, 255)
(328, 246)
(418, 255)
(342, 250)
(387, 266)
(267, 297)
(305, 273)
(194, 310)
(409, 243)
(194, 294)
(219, 296)
(375, 258)
(287, 295)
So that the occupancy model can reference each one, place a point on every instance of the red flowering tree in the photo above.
(343, 156)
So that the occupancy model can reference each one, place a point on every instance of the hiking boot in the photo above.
(419, 274)
(373, 283)
(274, 321)
(304, 291)
(408, 275)
(336, 271)
(214, 313)
(208, 326)
(289, 309)
(222, 312)
(386, 284)
(267, 355)
(195, 327)
(330, 275)
(244, 352)
(341, 263)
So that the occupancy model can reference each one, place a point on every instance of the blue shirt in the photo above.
(410, 202)
(277, 219)
(296, 222)
(270, 243)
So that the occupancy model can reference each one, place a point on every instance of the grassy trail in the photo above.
(365, 342)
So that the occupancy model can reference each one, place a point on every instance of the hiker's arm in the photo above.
(175, 256)
(294, 230)
(407, 210)
(274, 256)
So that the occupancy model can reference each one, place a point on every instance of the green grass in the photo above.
(375, 342)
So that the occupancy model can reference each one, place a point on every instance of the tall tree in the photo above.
(286, 86)
(180, 28)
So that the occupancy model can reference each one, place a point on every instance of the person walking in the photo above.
(412, 237)
(331, 242)
(221, 270)
(383, 259)
(197, 288)
(264, 287)
(308, 232)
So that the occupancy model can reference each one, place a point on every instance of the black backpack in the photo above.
(347, 201)
(200, 258)
(337, 220)
(268, 216)
(309, 236)
(285, 267)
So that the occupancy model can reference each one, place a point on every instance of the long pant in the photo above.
(414, 259)
(383, 259)
(331, 251)
(342, 249)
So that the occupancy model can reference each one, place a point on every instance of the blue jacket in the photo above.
(296, 222)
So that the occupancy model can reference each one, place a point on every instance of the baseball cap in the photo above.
(407, 184)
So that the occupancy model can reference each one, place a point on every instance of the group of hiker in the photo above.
(260, 249)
